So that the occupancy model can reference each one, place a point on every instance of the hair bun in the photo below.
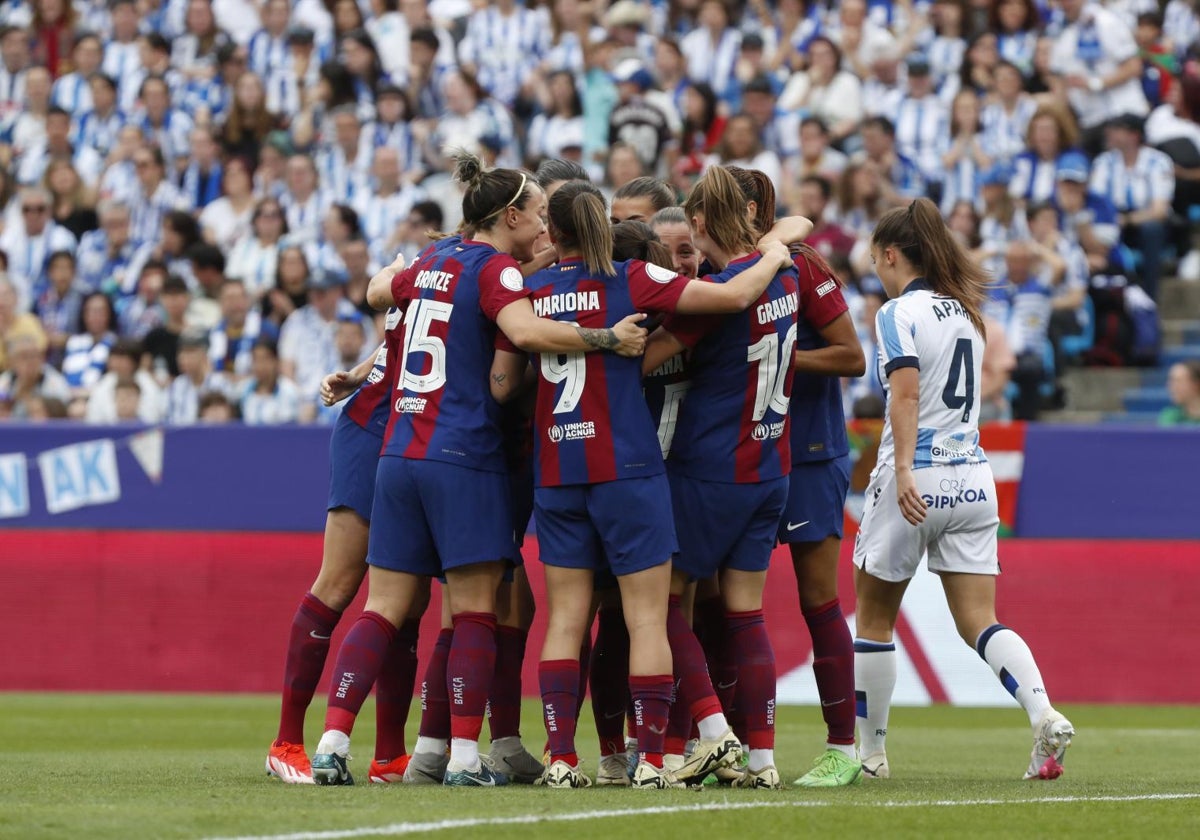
(468, 168)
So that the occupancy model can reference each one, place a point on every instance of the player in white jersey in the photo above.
(932, 490)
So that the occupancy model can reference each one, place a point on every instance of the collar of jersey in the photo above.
(753, 255)
(918, 284)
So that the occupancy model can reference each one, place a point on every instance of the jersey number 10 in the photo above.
(774, 362)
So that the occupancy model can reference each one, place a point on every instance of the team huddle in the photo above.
(669, 426)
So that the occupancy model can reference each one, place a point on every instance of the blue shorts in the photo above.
(624, 525)
(353, 456)
(430, 516)
(816, 501)
(521, 482)
(726, 526)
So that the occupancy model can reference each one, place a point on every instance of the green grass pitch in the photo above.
(134, 766)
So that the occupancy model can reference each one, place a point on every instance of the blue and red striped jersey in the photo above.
(591, 422)
(818, 422)
(733, 426)
(665, 389)
(370, 405)
(442, 409)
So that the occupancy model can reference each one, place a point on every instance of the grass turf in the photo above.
(126, 766)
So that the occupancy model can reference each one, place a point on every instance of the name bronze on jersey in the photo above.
(439, 281)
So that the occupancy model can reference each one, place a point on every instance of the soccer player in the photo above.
(354, 453)
(602, 496)
(827, 347)
(933, 489)
(728, 471)
(442, 468)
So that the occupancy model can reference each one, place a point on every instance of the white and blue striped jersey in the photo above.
(1003, 130)
(97, 132)
(72, 93)
(266, 53)
(923, 133)
(1034, 179)
(712, 63)
(1018, 49)
(932, 333)
(122, 63)
(381, 215)
(1150, 179)
(1181, 23)
(505, 49)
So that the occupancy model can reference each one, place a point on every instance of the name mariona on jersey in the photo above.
(566, 302)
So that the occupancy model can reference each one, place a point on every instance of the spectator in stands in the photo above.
(814, 197)
(230, 342)
(1183, 384)
(104, 400)
(254, 258)
(248, 122)
(153, 196)
(357, 262)
(1173, 128)
(108, 254)
(227, 219)
(215, 408)
(307, 340)
(965, 160)
(13, 320)
(817, 155)
(73, 201)
(60, 303)
(86, 352)
(268, 399)
(412, 235)
(1002, 220)
(1067, 314)
(1140, 183)
(1051, 135)
(14, 58)
(1097, 69)
(1160, 65)
(28, 130)
(29, 242)
(1016, 24)
(560, 123)
(900, 178)
(166, 126)
(304, 202)
(71, 89)
(1031, 273)
(740, 145)
(1007, 114)
(623, 166)
(503, 46)
(1086, 218)
(979, 65)
(161, 346)
(97, 127)
(995, 374)
(127, 397)
(196, 379)
(29, 378)
(138, 314)
(826, 90)
(383, 210)
(641, 122)
(711, 49)
(922, 125)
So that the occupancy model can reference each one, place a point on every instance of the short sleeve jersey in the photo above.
(442, 409)
(733, 427)
(591, 422)
(818, 422)
(369, 406)
(932, 333)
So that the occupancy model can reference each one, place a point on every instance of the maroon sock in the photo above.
(833, 666)
(469, 671)
(679, 724)
(504, 704)
(308, 647)
(610, 676)
(358, 663)
(695, 688)
(651, 706)
(435, 702)
(585, 673)
(394, 692)
(714, 638)
(559, 682)
(756, 676)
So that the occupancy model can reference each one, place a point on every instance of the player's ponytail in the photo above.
(634, 240)
(923, 238)
(720, 200)
(757, 188)
(489, 191)
(579, 222)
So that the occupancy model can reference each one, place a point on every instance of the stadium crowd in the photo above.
(195, 193)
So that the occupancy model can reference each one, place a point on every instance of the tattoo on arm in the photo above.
(604, 339)
(499, 378)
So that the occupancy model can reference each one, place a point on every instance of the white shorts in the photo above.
(959, 531)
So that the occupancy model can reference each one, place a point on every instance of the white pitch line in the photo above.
(397, 829)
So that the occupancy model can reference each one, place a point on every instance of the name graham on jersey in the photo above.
(782, 307)
(410, 405)
(437, 280)
(673, 365)
(566, 302)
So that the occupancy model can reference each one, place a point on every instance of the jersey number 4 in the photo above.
(418, 320)
(962, 366)
(774, 362)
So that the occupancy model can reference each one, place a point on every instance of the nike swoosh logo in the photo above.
(792, 527)
(657, 730)
(724, 686)
(315, 635)
(485, 782)
(614, 715)
(834, 703)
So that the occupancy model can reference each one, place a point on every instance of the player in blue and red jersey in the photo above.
(353, 452)
(827, 348)
(443, 463)
(602, 497)
(728, 468)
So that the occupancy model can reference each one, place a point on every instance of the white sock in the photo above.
(430, 745)
(874, 682)
(1012, 661)
(760, 759)
(712, 727)
(846, 749)
(464, 754)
